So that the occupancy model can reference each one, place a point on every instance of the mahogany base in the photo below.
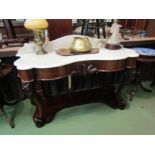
(52, 105)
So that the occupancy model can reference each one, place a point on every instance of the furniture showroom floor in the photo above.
(91, 119)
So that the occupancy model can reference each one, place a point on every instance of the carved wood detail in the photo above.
(46, 107)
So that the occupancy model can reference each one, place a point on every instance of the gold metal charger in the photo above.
(68, 52)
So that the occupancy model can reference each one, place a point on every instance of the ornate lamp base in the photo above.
(113, 46)
(39, 49)
(39, 40)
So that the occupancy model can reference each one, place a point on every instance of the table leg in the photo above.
(83, 26)
(132, 80)
(98, 27)
(120, 102)
(35, 95)
(137, 81)
(39, 115)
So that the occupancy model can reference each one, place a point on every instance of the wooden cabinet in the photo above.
(134, 23)
(59, 27)
(151, 28)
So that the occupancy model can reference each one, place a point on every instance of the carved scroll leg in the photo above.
(39, 116)
(30, 89)
(37, 98)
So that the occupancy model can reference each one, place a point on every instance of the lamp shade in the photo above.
(34, 24)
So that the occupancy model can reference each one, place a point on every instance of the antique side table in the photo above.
(80, 79)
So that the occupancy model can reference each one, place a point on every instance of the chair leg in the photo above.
(134, 84)
(83, 26)
(86, 24)
(7, 118)
(103, 32)
(98, 27)
(102, 24)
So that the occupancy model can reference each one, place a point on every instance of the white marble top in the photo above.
(28, 59)
(52, 59)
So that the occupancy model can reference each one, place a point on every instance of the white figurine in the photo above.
(115, 36)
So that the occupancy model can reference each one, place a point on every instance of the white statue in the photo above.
(115, 36)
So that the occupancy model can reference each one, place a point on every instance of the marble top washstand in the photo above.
(34, 70)
(28, 59)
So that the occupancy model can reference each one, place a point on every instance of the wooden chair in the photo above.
(134, 27)
(4, 71)
(59, 27)
(11, 34)
(96, 25)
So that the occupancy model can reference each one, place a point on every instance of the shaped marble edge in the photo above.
(29, 60)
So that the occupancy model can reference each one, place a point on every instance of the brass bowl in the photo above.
(80, 44)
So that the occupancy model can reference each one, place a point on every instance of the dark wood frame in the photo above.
(46, 107)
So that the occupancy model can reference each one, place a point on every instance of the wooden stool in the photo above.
(4, 71)
(142, 61)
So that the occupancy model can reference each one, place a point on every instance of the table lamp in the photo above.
(37, 25)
